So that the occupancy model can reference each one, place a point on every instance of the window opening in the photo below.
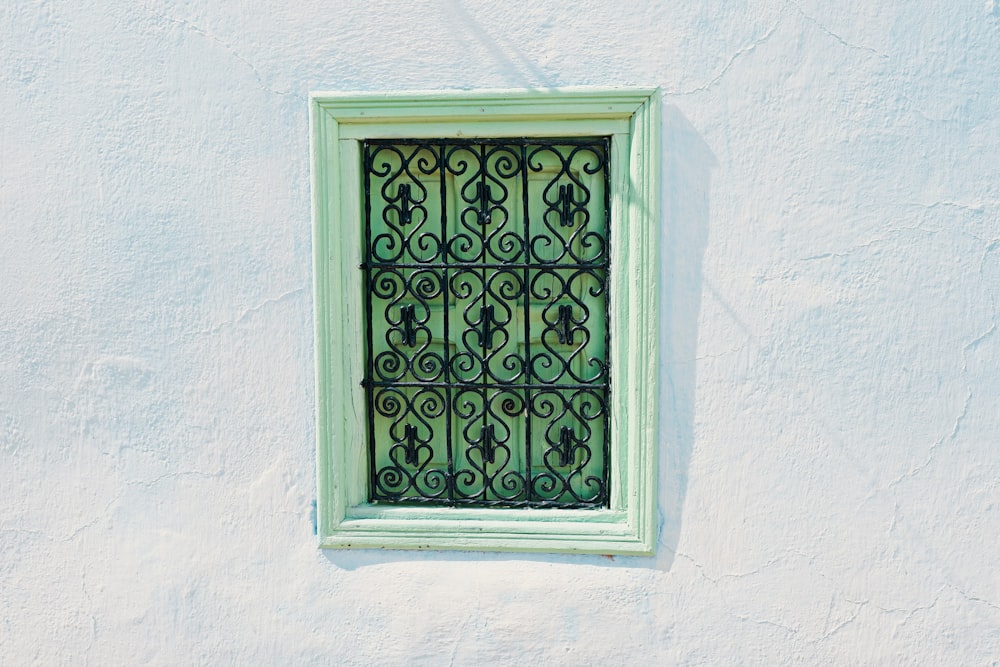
(485, 267)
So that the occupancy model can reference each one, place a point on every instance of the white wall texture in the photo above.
(830, 447)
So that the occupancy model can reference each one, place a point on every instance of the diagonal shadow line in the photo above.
(525, 72)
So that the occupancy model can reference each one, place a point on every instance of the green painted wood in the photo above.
(478, 127)
(345, 517)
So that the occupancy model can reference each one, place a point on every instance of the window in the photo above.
(486, 298)
(485, 290)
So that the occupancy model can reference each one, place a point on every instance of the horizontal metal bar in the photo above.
(482, 385)
(467, 502)
(463, 266)
(488, 141)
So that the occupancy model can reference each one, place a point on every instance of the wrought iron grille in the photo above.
(486, 280)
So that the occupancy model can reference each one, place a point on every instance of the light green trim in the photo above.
(480, 128)
(338, 121)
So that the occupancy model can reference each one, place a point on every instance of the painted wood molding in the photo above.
(339, 122)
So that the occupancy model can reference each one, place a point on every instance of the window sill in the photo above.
(564, 531)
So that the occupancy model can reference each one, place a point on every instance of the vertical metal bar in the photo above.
(607, 320)
(442, 167)
(527, 322)
(485, 376)
(370, 365)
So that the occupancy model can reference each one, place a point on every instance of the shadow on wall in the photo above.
(518, 68)
(687, 173)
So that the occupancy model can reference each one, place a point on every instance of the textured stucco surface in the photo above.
(830, 448)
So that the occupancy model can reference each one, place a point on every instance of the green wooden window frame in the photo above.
(339, 125)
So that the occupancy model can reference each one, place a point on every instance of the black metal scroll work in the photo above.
(486, 275)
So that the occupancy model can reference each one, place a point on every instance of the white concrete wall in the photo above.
(831, 422)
